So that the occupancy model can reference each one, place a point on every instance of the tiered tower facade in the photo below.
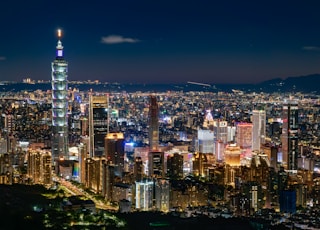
(60, 143)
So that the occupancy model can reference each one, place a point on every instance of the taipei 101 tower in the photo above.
(59, 81)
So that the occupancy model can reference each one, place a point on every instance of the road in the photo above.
(75, 191)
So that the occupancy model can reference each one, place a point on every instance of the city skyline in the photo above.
(161, 42)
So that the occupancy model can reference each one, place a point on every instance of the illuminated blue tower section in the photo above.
(59, 81)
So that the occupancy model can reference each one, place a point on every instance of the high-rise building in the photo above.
(258, 129)
(205, 141)
(144, 195)
(232, 154)
(114, 151)
(138, 169)
(175, 166)
(220, 130)
(83, 150)
(98, 123)
(162, 195)
(60, 141)
(108, 181)
(153, 124)
(244, 137)
(219, 150)
(231, 133)
(156, 164)
(39, 166)
(289, 136)
(95, 174)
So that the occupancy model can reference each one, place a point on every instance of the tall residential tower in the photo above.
(289, 136)
(59, 74)
(153, 124)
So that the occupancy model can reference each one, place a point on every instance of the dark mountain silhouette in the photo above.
(305, 84)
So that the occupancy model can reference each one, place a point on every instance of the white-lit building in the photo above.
(205, 141)
(144, 195)
(258, 129)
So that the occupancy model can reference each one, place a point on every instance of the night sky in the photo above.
(161, 41)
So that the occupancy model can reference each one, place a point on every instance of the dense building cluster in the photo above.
(243, 152)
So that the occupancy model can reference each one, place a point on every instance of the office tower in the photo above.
(289, 136)
(244, 137)
(232, 155)
(156, 164)
(220, 130)
(143, 153)
(114, 151)
(199, 160)
(258, 129)
(138, 169)
(153, 124)
(98, 123)
(205, 141)
(162, 195)
(175, 166)
(94, 174)
(231, 133)
(59, 67)
(219, 150)
(144, 195)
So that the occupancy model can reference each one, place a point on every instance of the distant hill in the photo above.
(305, 84)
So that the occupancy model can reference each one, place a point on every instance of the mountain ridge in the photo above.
(305, 84)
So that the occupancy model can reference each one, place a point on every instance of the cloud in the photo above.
(312, 48)
(2, 58)
(116, 39)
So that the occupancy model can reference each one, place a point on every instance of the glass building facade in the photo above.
(59, 105)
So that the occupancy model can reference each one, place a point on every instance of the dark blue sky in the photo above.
(161, 41)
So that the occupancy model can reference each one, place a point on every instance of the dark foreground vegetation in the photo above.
(35, 207)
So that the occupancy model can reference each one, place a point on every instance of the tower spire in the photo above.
(59, 46)
(59, 74)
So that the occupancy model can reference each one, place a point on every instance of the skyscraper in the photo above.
(153, 124)
(59, 74)
(244, 137)
(175, 166)
(259, 128)
(205, 141)
(98, 123)
(114, 151)
(289, 137)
